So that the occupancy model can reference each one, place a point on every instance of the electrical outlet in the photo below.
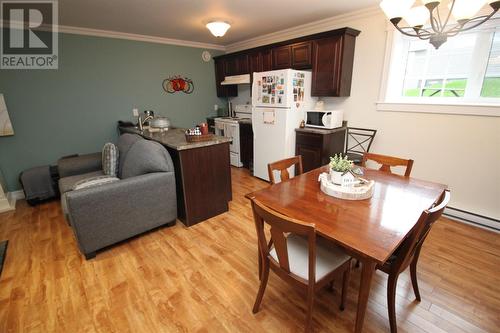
(135, 112)
(216, 107)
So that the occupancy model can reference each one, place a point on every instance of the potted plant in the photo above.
(338, 166)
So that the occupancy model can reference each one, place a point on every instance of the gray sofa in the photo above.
(144, 198)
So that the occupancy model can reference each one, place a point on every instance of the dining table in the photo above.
(369, 230)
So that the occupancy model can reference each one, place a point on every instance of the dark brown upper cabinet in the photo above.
(231, 66)
(267, 60)
(329, 55)
(333, 59)
(302, 55)
(220, 74)
(243, 64)
(282, 57)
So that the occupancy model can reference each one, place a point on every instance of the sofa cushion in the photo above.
(124, 143)
(68, 183)
(94, 181)
(110, 157)
(145, 157)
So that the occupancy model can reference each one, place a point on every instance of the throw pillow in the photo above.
(110, 159)
(94, 181)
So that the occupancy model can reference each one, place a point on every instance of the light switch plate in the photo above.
(135, 112)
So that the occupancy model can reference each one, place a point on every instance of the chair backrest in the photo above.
(388, 162)
(282, 166)
(359, 140)
(281, 226)
(413, 243)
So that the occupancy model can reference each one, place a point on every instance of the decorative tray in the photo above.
(199, 138)
(355, 192)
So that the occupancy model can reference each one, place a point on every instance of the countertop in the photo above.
(320, 130)
(175, 138)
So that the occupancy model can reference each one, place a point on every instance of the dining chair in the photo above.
(387, 162)
(359, 141)
(298, 257)
(282, 166)
(407, 254)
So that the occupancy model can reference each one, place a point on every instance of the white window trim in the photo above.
(418, 106)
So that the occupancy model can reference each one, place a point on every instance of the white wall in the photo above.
(460, 151)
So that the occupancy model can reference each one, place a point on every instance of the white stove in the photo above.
(230, 128)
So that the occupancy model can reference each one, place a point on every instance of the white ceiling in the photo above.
(184, 19)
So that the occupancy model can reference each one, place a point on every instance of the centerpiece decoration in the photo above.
(340, 167)
(344, 182)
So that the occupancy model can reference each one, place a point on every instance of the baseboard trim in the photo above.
(477, 220)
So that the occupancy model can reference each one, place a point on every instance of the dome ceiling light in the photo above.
(463, 12)
(218, 28)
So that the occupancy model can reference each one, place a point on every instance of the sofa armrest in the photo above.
(104, 215)
(79, 164)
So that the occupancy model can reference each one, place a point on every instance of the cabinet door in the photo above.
(311, 156)
(302, 55)
(267, 60)
(220, 73)
(326, 67)
(231, 67)
(282, 57)
(242, 60)
(255, 62)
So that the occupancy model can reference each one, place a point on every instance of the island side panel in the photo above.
(206, 177)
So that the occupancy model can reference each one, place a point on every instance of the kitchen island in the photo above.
(202, 173)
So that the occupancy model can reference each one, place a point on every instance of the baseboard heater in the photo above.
(472, 218)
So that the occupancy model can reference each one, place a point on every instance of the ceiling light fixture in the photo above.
(218, 28)
(463, 12)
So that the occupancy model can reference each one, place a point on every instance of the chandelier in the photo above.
(440, 28)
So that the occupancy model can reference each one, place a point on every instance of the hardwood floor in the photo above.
(204, 279)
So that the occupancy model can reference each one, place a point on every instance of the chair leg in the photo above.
(310, 305)
(413, 274)
(260, 264)
(263, 283)
(345, 286)
(391, 301)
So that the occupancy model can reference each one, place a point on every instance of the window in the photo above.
(463, 71)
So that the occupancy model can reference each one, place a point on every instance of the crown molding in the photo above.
(304, 29)
(129, 36)
(137, 37)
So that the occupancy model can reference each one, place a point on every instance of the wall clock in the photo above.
(206, 56)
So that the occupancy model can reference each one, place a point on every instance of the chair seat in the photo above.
(356, 158)
(328, 257)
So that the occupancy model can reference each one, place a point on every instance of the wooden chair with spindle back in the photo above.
(407, 254)
(282, 166)
(388, 162)
(298, 257)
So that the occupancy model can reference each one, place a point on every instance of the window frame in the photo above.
(489, 107)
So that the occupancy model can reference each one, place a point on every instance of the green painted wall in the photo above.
(75, 109)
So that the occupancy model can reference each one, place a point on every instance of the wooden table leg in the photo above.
(368, 268)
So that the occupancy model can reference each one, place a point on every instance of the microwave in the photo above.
(328, 119)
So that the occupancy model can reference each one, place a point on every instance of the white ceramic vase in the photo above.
(336, 177)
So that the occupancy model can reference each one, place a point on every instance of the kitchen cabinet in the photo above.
(246, 144)
(220, 73)
(317, 145)
(282, 57)
(267, 61)
(302, 55)
(329, 55)
(332, 64)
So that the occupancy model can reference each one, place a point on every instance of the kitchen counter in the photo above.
(175, 138)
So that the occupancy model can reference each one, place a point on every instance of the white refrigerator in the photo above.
(279, 99)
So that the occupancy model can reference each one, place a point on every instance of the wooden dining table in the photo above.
(369, 230)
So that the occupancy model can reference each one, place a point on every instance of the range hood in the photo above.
(236, 79)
